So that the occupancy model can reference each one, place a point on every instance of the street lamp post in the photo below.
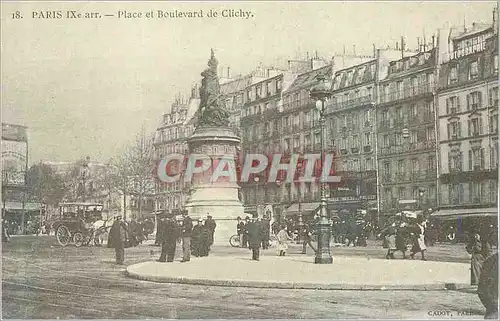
(84, 177)
(421, 193)
(320, 93)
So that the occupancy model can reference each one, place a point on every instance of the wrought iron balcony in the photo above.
(359, 101)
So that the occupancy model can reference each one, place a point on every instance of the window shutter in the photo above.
(470, 160)
(468, 102)
(469, 127)
(459, 134)
(458, 104)
(449, 131)
(482, 158)
(449, 162)
(480, 99)
(447, 106)
(480, 125)
(461, 158)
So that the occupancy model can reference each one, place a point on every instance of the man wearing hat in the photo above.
(254, 231)
(118, 238)
(210, 225)
(240, 227)
(168, 237)
(200, 239)
(187, 228)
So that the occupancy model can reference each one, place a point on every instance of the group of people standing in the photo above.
(195, 239)
(254, 233)
(398, 235)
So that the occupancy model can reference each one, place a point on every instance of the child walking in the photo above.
(283, 239)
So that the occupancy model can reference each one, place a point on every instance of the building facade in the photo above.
(20, 213)
(171, 137)
(468, 122)
(406, 134)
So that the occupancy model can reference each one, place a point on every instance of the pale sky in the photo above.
(85, 87)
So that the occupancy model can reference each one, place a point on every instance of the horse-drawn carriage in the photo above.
(80, 224)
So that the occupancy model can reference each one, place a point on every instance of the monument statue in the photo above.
(212, 112)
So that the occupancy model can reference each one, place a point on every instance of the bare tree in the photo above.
(134, 169)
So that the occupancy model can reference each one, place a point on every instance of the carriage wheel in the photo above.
(234, 241)
(63, 235)
(78, 239)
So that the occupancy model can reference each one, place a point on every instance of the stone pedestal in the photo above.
(219, 199)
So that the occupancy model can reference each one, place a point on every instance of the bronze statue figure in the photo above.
(212, 111)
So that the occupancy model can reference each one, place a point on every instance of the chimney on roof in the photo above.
(228, 72)
(397, 45)
(354, 50)
(374, 50)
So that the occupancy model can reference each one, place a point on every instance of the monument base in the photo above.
(224, 214)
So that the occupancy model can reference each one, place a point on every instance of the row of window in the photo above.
(472, 70)
(470, 193)
(392, 194)
(475, 158)
(474, 101)
(410, 166)
(412, 136)
(474, 127)
(262, 90)
(354, 76)
(407, 87)
(409, 62)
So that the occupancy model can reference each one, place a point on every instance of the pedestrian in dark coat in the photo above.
(199, 239)
(475, 248)
(254, 232)
(266, 230)
(168, 236)
(245, 233)
(118, 239)
(487, 289)
(240, 230)
(187, 229)
(210, 225)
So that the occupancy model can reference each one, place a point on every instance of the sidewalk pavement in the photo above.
(299, 272)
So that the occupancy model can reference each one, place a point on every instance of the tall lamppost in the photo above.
(320, 93)
(421, 194)
(85, 174)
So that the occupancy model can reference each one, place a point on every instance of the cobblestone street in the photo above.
(43, 280)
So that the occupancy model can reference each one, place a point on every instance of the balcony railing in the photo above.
(304, 102)
(359, 101)
(407, 148)
(408, 92)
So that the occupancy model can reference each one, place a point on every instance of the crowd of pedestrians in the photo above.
(195, 240)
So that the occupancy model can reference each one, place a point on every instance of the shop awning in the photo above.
(451, 214)
(18, 206)
(303, 207)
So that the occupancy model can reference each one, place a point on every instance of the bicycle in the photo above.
(234, 240)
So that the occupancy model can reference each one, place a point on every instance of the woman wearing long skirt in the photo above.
(283, 239)
(419, 242)
(475, 248)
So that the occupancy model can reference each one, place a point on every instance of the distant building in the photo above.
(468, 122)
(21, 214)
(88, 182)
